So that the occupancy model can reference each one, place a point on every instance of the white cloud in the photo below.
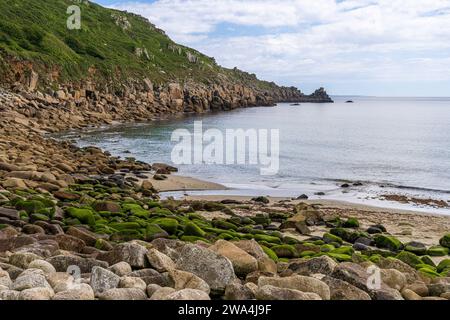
(321, 40)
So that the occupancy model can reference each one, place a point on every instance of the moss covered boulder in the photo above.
(443, 265)
(191, 229)
(29, 206)
(409, 258)
(445, 241)
(416, 248)
(221, 224)
(388, 242)
(84, 215)
(154, 231)
(437, 251)
(351, 223)
(285, 251)
(331, 238)
(168, 224)
(270, 253)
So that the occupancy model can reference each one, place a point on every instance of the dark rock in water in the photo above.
(345, 185)
(295, 104)
(302, 197)
(319, 193)
(357, 184)
(349, 101)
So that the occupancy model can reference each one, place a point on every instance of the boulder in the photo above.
(63, 262)
(70, 243)
(10, 295)
(5, 279)
(365, 279)
(160, 293)
(11, 214)
(42, 265)
(342, 290)
(237, 291)
(132, 282)
(160, 261)
(269, 292)
(102, 280)
(252, 248)
(132, 253)
(187, 280)
(408, 294)
(29, 279)
(106, 206)
(215, 269)
(88, 237)
(23, 259)
(80, 292)
(188, 294)
(243, 263)
(324, 265)
(123, 294)
(393, 278)
(152, 276)
(297, 282)
(39, 293)
(121, 268)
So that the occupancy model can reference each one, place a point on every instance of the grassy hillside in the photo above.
(118, 45)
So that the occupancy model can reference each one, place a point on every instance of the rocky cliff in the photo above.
(119, 66)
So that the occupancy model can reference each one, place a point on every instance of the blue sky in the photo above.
(361, 47)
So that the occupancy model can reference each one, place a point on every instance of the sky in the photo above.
(350, 47)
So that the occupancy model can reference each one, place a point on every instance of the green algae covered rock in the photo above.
(193, 239)
(388, 242)
(409, 258)
(191, 229)
(340, 257)
(445, 241)
(119, 226)
(154, 231)
(270, 239)
(221, 224)
(427, 260)
(330, 238)
(168, 224)
(444, 264)
(285, 251)
(344, 250)
(270, 253)
(85, 216)
(39, 217)
(351, 223)
(29, 206)
(437, 251)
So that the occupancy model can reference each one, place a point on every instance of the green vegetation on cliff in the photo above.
(111, 47)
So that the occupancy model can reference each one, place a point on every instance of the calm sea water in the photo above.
(392, 145)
